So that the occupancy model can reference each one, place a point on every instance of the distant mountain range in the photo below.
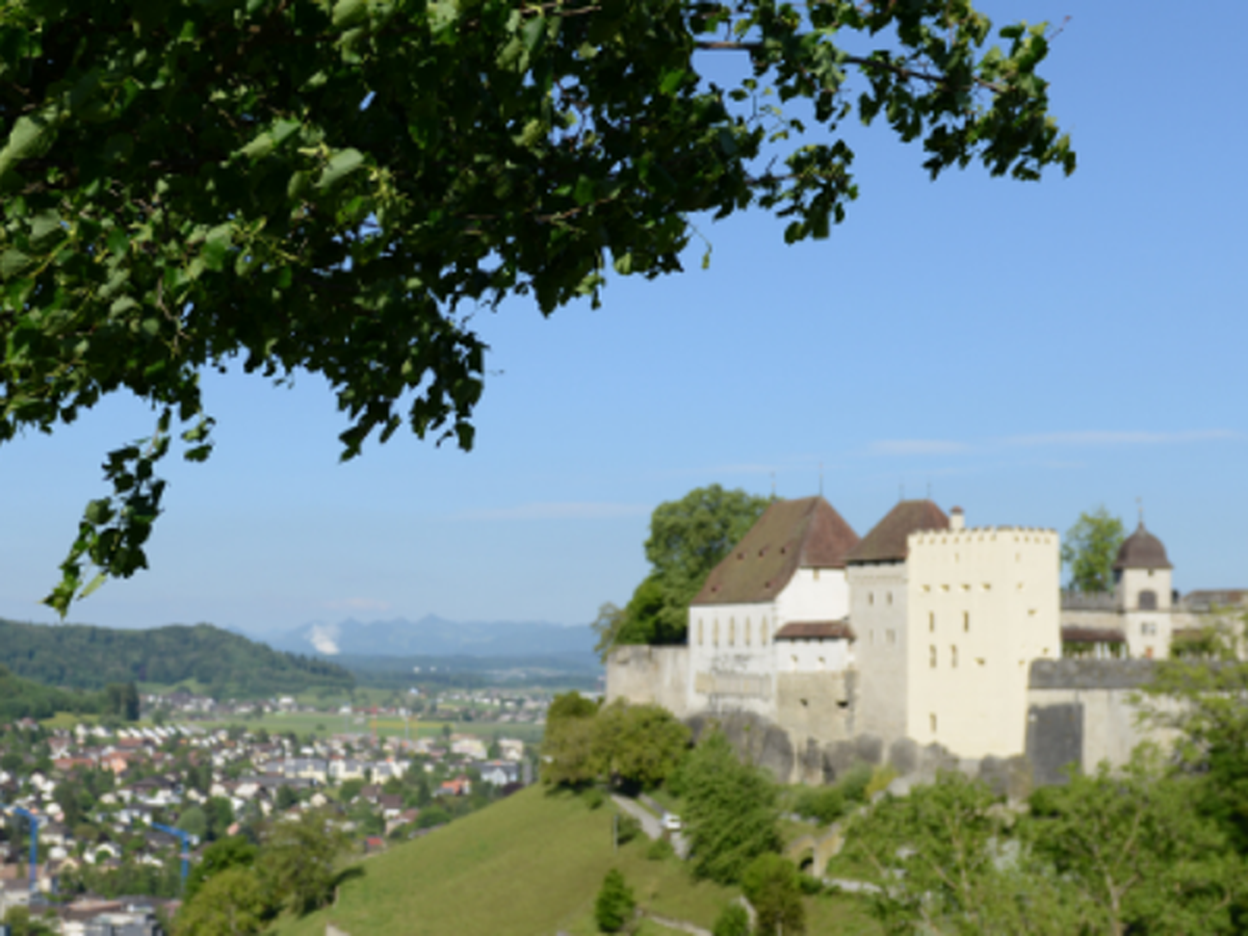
(435, 636)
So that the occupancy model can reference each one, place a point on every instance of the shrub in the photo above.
(825, 804)
(855, 782)
(660, 850)
(733, 921)
(593, 797)
(615, 903)
(881, 777)
(773, 885)
(628, 829)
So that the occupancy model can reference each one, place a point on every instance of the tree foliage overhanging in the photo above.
(688, 538)
(333, 186)
(224, 664)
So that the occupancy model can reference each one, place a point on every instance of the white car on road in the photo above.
(671, 822)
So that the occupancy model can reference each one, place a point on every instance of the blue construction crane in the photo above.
(34, 843)
(187, 840)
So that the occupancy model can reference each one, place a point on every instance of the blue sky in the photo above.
(1027, 350)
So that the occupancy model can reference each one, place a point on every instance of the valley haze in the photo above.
(437, 637)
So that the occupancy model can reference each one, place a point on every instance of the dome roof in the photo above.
(1142, 550)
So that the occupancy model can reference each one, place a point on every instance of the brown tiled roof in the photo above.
(816, 630)
(1072, 633)
(791, 534)
(887, 540)
(1142, 550)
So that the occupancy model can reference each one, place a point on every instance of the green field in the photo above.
(530, 865)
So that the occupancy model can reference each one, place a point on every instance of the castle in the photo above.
(924, 632)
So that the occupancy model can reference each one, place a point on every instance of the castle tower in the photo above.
(1142, 590)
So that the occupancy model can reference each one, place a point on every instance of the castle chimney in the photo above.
(956, 520)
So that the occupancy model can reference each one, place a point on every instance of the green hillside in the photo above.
(530, 865)
(224, 664)
(22, 698)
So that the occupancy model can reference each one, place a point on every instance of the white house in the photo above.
(789, 569)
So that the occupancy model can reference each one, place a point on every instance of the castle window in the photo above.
(870, 598)
(953, 657)
(793, 662)
(1148, 629)
(931, 621)
(715, 632)
(966, 620)
(892, 636)
(762, 632)
(1148, 600)
(931, 720)
(931, 656)
(747, 631)
(814, 573)
(699, 632)
(889, 598)
(732, 632)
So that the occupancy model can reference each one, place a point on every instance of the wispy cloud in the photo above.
(1075, 439)
(917, 447)
(1113, 437)
(570, 510)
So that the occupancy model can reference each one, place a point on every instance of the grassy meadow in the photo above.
(530, 865)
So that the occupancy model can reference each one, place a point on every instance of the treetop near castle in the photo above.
(333, 187)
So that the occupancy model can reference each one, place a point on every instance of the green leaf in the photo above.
(217, 247)
(30, 136)
(349, 13)
(12, 262)
(341, 164)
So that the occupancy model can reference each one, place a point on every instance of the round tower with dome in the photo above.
(1143, 593)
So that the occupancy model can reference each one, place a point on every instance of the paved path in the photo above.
(650, 824)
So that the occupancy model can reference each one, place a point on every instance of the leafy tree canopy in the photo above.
(638, 745)
(730, 810)
(771, 884)
(688, 538)
(332, 186)
(1090, 549)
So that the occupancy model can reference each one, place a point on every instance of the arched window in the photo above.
(966, 621)
(931, 621)
(747, 631)
(870, 598)
(931, 720)
(699, 632)
(1148, 601)
(732, 632)
(953, 657)
(762, 632)
(931, 656)
(715, 632)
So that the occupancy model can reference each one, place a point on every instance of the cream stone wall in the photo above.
(877, 613)
(732, 659)
(814, 706)
(814, 595)
(813, 656)
(983, 603)
(642, 674)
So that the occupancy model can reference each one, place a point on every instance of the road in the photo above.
(650, 824)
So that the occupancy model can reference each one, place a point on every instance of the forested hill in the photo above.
(225, 664)
(24, 698)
